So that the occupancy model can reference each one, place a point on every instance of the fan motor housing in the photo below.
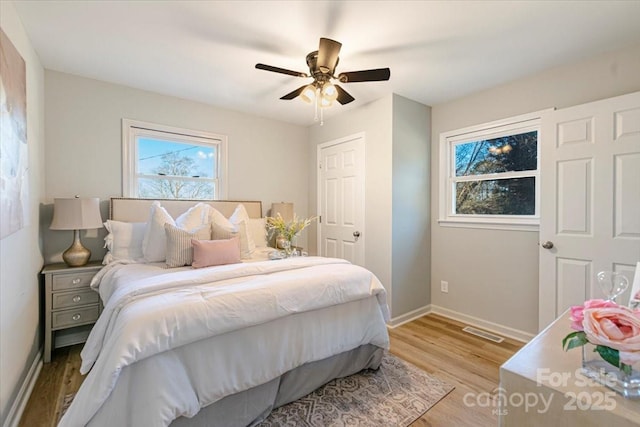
(316, 73)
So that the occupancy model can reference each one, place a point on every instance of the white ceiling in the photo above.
(206, 50)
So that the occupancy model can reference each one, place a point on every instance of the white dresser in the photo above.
(541, 385)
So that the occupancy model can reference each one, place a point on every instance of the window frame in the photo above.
(447, 178)
(132, 129)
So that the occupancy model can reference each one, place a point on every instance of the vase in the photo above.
(287, 248)
(280, 242)
(624, 380)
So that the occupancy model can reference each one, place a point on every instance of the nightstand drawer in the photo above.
(79, 316)
(74, 299)
(73, 280)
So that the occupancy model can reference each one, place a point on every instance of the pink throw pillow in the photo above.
(207, 253)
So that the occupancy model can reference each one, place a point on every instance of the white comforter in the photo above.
(163, 310)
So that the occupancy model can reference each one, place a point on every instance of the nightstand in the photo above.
(71, 306)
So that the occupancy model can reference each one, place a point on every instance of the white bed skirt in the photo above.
(254, 405)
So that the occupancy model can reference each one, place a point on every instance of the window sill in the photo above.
(531, 225)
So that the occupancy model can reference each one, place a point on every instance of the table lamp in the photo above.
(285, 209)
(79, 213)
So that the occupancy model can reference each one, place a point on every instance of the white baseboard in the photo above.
(408, 317)
(15, 413)
(496, 328)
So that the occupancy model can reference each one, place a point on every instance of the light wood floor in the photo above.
(433, 343)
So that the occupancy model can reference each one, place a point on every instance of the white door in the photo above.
(590, 200)
(341, 199)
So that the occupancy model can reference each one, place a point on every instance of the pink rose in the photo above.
(616, 327)
(577, 311)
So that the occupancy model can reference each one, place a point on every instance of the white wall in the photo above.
(396, 193)
(411, 241)
(267, 159)
(21, 252)
(493, 275)
(375, 120)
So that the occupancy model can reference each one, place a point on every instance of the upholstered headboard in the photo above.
(137, 210)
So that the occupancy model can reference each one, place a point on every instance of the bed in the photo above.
(221, 345)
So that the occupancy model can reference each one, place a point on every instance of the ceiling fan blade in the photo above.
(375, 75)
(328, 55)
(295, 93)
(343, 96)
(280, 70)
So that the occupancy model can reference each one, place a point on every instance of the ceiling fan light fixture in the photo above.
(325, 102)
(329, 92)
(308, 94)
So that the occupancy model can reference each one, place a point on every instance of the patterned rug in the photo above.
(393, 396)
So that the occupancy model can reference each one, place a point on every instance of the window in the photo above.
(162, 162)
(489, 174)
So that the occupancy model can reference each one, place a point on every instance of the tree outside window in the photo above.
(481, 161)
(172, 163)
(180, 172)
(489, 174)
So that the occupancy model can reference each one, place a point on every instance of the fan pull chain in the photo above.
(315, 117)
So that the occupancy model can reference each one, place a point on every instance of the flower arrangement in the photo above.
(278, 227)
(613, 329)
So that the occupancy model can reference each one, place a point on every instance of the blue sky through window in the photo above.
(151, 150)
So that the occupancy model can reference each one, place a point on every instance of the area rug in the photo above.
(393, 396)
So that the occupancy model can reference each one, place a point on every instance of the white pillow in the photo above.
(258, 231)
(195, 217)
(124, 240)
(243, 232)
(240, 220)
(216, 217)
(179, 246)
(153, 246)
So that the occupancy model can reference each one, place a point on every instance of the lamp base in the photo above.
(77, 255)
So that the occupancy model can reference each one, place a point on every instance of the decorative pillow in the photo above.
(207, 253)
(124, 240)
(258, 231)
(194, 217)
(240, 220)
(153, 245)
(216, 217)
(219, 232)
(179, 250)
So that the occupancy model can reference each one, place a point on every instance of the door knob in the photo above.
(547, 245)
(356, 234)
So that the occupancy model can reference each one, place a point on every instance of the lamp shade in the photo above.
(285, 210)
(79, 213)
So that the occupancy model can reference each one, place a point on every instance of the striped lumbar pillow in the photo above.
(179, 250)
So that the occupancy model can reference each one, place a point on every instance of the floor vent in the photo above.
(482, 334)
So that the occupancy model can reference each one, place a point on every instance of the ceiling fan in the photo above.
(322, 65)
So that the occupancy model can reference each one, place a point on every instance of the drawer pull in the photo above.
(77, 298)
(75, 281)
(62, 319)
